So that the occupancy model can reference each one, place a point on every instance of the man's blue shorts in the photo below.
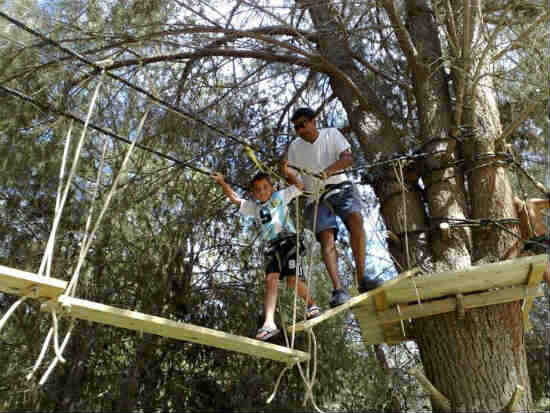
(340, 200)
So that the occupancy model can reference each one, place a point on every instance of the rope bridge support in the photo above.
(18, 282)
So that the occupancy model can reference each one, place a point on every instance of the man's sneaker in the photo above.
(339, 297)
(368, 284)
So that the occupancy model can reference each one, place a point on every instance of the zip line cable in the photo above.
(49, 108)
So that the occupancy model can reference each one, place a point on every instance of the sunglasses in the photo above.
(299, 125)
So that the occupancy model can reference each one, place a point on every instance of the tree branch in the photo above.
(402, 34)
(520, 119)
(240, 53)
(516, 44)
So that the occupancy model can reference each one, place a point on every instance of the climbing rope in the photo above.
(88, 235)
(45, 265)
(60, 202)
(13, 307)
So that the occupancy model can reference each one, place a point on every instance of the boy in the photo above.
(272, 214)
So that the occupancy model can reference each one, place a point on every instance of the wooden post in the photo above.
(460, 310)
(511, 406)
(438, 398)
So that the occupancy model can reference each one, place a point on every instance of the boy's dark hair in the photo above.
(259, 176)
(305, 112)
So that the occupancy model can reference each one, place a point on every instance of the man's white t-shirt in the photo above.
(317, 156)
(272, 215)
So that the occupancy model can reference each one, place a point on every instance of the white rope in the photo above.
(48, 254)
(401, 179)
(74, 280)
(60, 203)
(270, 398)
(317, 193)
(56, 359)
(57, 217)
(86, 236)
(416, 292)
(310, 381)
(401, 321)
(56, 337)
(12, 308)
(42, 354)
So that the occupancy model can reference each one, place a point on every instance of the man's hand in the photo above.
(285, 170)
(344, 160)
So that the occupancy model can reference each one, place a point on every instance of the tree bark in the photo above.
(478, 361)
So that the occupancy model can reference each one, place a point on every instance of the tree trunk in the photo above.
(476, 362)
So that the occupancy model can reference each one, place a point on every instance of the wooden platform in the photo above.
(380, 317)
(382, 311)
(18, 282)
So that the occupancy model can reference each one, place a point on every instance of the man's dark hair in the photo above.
(259, 176)
(305, 112)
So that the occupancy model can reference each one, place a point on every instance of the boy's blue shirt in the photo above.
(273, 215)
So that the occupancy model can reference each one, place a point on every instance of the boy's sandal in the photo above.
(312, 312)
(265, 333)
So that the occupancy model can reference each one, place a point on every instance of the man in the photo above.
(327, 153)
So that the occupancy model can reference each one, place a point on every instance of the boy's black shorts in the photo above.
(280, 257)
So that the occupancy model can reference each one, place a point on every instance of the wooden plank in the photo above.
(478, 278)
(133, 320)
(446, 305)
(354, 301)
(533, 278)
(390, 331)
(18, 282)
(371, 334)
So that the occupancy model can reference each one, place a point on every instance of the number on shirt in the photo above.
(265, 215)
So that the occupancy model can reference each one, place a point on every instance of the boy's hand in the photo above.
(218, 177)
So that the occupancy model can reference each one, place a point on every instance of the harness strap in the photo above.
(333, 189)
